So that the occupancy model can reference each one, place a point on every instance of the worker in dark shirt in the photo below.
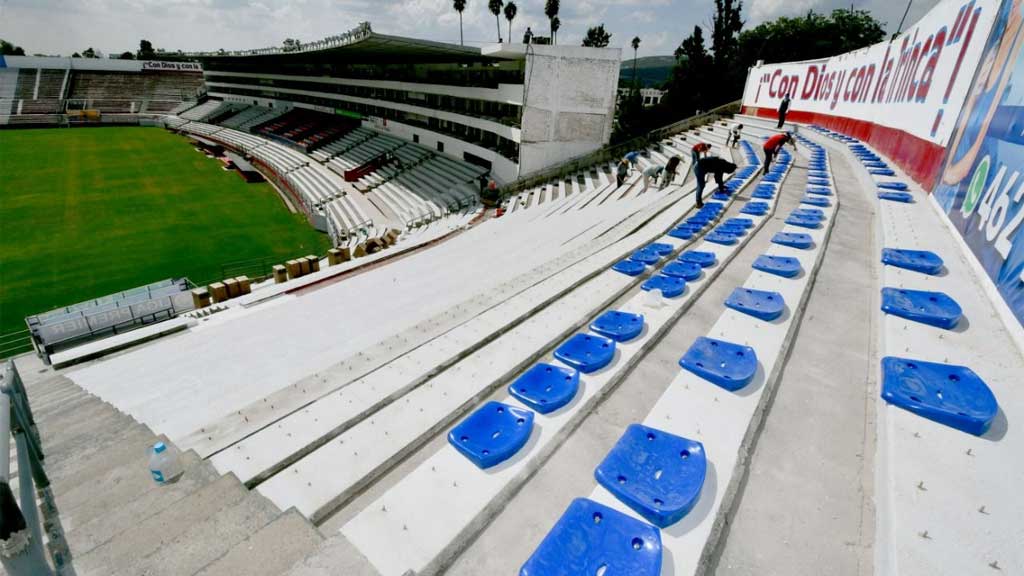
(774, 144)
(783, 109)
(711, 165)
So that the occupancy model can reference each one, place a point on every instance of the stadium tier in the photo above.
(44, 90)
(811, 368)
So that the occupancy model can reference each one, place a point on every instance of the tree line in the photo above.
(705, 77)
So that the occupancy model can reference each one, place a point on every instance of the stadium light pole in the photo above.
(902, 20)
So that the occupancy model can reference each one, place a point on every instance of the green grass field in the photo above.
(89, 212)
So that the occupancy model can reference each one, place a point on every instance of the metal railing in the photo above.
(23, 521)
(616, 151)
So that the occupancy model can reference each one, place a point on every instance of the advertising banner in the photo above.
(981, 188)
(158, 66)
(902, 96)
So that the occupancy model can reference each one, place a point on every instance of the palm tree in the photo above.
(510, 15)
(636, 46)
(495, 6)
(551, 11)
(555, 25)
(460, 5)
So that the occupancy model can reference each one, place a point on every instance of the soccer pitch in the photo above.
(90, 211)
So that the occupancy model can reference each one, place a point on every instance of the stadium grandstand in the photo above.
(813, 367)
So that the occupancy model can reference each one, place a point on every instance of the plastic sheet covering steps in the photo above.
(403, 531)
(539, 287)
(447, 395)
(962, 490)
(726, 423)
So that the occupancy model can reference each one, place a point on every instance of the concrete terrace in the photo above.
(314, 419)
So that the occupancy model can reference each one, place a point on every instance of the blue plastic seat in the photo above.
(903, 197)
(722, 238)
(645, 256)
(629, 267)
(492, 434)
(793, 240)
(772, 177)
(893, 185)
(917, 260)
(704, 259)
(809, 213)
(660, 248)
(686, 270)
(670, 286)
(744, 222)
(657, 474)
(619, 326)
(759, 205)
(881, 172)
(699, 220)
(951, 395)
(763, 195)
(753, 210)
(546, 387)
(761, 304)
(818, 182)
(875, 164)
(815, 201)
(586, 352)
(785, 266)
(728, 365)
(720, 196)
(591, 539)
(819, 191)
(932, 308)
(734, 229)
(681, 233)
(803, 222)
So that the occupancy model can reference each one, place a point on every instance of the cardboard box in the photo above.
(243, 284)
(200, 297)
(219, 291)
(232, 285)
(294, 269)
(280, 274)
(314, 263)
(360, 250)
(334, 257)
(304, 266)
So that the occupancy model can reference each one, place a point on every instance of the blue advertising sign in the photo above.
(982, 185)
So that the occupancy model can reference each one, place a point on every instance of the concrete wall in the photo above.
(569, 109)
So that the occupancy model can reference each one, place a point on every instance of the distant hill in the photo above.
(651, 71)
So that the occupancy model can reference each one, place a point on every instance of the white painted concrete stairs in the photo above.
(119, 522)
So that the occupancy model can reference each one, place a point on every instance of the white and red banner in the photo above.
(902, 96)
(159, 65)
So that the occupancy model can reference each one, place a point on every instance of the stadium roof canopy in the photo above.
(362, 45)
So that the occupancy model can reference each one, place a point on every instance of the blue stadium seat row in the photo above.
(949, 394)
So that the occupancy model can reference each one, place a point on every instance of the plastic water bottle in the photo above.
(164, 464)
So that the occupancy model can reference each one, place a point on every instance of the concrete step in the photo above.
(85, 535)
(336, 556)
(57, 402)
(85, 503)
(40, 398)
(82, 420)
(204, 541)
(48, 385)
(103, 430)
(137, 542)
(105, 469)
(271, 551)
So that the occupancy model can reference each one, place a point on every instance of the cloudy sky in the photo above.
(113, 26)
